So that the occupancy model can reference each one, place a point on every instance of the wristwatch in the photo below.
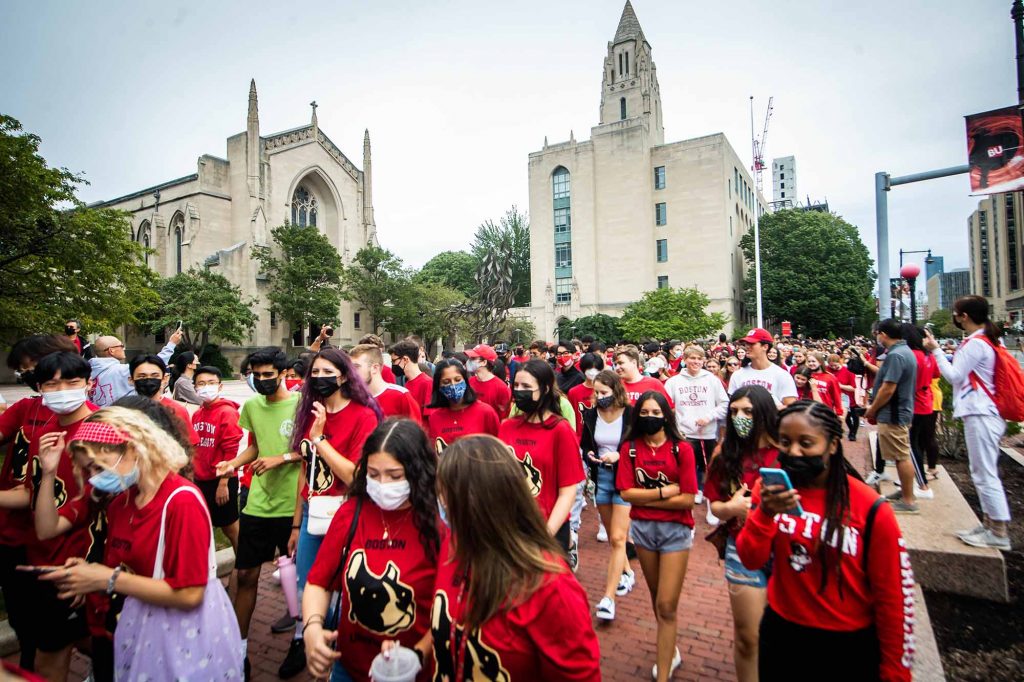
(318, 439)
(287, 457)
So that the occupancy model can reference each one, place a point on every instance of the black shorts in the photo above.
(52, 623)
(220, 514)
(259, 538)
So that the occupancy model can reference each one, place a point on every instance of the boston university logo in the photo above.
(480, 662)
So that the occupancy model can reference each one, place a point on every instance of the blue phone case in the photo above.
(779, 477)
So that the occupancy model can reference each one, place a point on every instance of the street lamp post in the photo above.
(928, 260)
(909, 272)
(852, 321)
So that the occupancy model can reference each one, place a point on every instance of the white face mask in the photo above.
(472, 366)
(592, 373)
(387, 496)
(208, 393)
(64, 402)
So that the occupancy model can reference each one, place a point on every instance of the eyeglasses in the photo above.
(564, 354)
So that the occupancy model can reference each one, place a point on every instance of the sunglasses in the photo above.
(734, 364)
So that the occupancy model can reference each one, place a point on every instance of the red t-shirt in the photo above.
(655, 469)
(133, 534)
(216, 425)
(346, 431)
(184, 420)
(550, 456)
(828, 389)
(421, 387)
(927, 369)
(387, 374)
(494, 392)
(19, 425)
(845, 377)
(883, 595)
(580, 397)
(447, 425)
(72, 501)
(637, 388)
(764, 457)
(547, 636)
(386, 585)
(397, 401)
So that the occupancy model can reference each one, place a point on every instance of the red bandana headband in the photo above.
(99, 432)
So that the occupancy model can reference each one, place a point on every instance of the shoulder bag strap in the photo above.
(334, 608)
(158, 564)
(869, 523)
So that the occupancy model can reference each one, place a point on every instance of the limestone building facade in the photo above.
(997, 254)
(213, 217)
(624, 213)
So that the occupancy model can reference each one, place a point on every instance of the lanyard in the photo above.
(457, 647)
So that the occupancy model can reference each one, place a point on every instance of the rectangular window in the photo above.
(663, 281)
(783, 185)
(273, 318)
(783, 195)
(782, 176)
(563, 222)
(563, 290)
(659, 177)
(660, 214)
(560, 185)
(356, 322)
(627, 63)
(662, 250)
(620, 63)
(622, 108)
(563, 255)
(730, 226)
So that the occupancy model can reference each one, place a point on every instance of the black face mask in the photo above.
(325, 386)
(70, 331)
(605, 401)
(397, 370)
(649, 426)
(28, 377)
(266, 386)
(524, 401)
(956, 323)
(802, 470)
(147, 387)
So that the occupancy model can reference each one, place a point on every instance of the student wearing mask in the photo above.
(265, 522)
(506, 597)
(627, 366)
(847, 381)
(748, 446)
(568, 375)
(824, 383)
(182, 388)
(761, 372)
(582, 397)
(73, 331)
(216, 424)
(658, 478)
(149, 379)
(393, 400)
(454, 411)
(386, 536)
(545, 446)
(488, 388)
(853, 594)
(406, 355)
(110, 376)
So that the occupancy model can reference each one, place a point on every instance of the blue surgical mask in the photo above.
(112, 483)
(454, 392)
(442, 513)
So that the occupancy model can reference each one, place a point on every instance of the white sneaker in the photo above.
(626, 582)
(712, 519)
(923, 494)
(276, 575)
(987, 539)
(973, 531)
(698, 498)
(677, 661)
(606, 609)
(602, 534)
(873, 478)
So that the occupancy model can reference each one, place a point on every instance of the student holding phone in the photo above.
(841, 580)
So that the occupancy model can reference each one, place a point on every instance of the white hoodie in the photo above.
(112, 377)
(698, 397)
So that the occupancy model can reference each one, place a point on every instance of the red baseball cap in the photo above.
(482, 351)
(758, 335)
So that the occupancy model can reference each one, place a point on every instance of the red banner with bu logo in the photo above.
(995, 151)
(787, 329)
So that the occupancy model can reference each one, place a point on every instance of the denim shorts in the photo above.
(661, 536)
(605, 492)
(738, 574)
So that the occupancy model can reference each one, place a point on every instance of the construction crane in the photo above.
(759, 145)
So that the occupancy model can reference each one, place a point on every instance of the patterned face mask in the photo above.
(454, 392)
(743, 425)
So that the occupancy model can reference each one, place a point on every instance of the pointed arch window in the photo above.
(622, 108)
(145, 239)
(305, 207)
(177, 250)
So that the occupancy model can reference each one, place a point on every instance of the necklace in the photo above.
(397, 526)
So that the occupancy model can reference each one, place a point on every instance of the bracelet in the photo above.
(310, 621)
(296, 527)
(661, 495)
(113, 579)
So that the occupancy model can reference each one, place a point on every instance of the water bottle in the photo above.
(289, 584)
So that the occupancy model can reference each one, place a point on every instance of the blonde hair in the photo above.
(694, 350)
(368, 349)
(155, 450)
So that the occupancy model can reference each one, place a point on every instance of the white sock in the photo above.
(245, 648)
(298, 628)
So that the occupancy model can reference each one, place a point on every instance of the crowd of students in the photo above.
(436, 506)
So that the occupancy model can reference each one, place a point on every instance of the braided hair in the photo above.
(837, 486)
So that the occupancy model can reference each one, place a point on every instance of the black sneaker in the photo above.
(283, 624)
(294, 662)
(247, 669)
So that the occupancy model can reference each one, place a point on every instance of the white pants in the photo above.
(982, 433)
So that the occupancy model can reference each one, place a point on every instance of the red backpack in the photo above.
(1008, 380)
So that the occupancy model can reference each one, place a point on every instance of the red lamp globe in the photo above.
(910, 271)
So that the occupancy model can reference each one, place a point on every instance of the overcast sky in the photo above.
(457, 93)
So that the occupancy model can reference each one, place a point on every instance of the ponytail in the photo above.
(976, 308)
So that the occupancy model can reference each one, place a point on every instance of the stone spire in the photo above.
(252, 139)
(316, 127)
(368, 189)
(629, 26)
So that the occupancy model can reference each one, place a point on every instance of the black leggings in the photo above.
(922, 439)
(702, 450)
(823, 654)
(853, 420)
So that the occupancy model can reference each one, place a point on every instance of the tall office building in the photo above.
(784, 192)
(996, 254)
(945, 287)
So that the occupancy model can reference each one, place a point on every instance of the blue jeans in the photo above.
(305, 551)
(339, 674)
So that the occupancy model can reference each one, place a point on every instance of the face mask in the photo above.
(956, 323)
(677, 353)
(801, 470)
(28, 377)
(266, 386)
(568, 362)
(650, 425)
(605, 401)
(111, 482)
(70, 331)
(207, 393)
(743, 425)
(325, 386)
(249, 382)
(149, 387)
(472, 366)
(524, 401)
(592, 373)
(443, 513)
(387, 496)
(454, 392)
(64, 402)
(397, 370)
(292, 384)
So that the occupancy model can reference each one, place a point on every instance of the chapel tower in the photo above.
(629, 89)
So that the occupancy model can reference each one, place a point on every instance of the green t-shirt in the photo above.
(271, 495)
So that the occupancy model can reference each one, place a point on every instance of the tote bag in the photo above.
(322, 508)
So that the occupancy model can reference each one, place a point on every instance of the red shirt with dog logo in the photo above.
(346, 431)
(18, 426)
(653, 468)
(547, 636)
(387, 584)
(549, 455)
(445, 425)
(581, 398)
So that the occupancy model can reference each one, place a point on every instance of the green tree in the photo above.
(379, 283)
(671, 314)
(208, 306)
(305, 275)
(427, 310)
(602, 327)
(58, 258)
(452, 269)
(510, 236)
(815, 271)
(942, 324)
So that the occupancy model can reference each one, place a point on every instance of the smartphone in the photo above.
(37, 570)
(180, 325)
(329, 331)
(779, 477)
